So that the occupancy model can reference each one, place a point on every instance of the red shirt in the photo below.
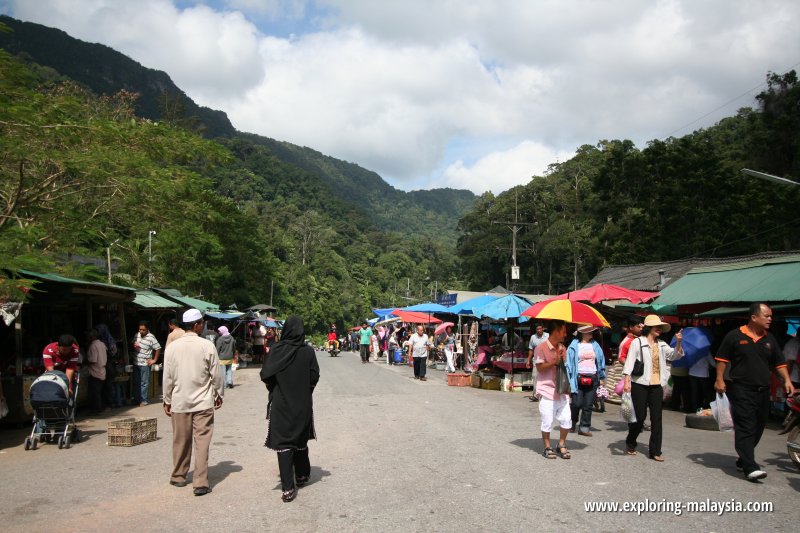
(332, 336)
(624, 347)
(52, 358)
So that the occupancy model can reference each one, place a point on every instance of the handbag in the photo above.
(562, 379)
(638, 365)
(585, 380)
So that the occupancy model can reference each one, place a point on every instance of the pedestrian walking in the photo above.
(147, 351)
(552, 404)
(175, 331)
(448, 340)
(193, 389)
(419, 345)
(752, 352)
(364, 338)
(539, 336)
(586, 366)
(97, 358)
(647, 387)
(228, 354)
(290, 373)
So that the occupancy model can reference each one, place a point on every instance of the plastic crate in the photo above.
(458, 380)
(132, 431)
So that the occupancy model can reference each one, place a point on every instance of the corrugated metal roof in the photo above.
(645, 276)
(187, 301)
(61, 279)
(151, 300)
(766, 280)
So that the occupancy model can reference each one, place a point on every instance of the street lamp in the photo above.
(769, 177)
(150, 257)
(108, 258)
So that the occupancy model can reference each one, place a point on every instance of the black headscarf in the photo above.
(282, 354)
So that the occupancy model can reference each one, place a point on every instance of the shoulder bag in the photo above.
(638, 365)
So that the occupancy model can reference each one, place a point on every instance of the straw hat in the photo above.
(655, 320)
(586, 329)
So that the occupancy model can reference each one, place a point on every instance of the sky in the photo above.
(472, 94)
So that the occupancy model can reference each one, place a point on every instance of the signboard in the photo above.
(447, 299)
(514, 272)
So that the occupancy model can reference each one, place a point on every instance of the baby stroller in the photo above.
(54, 410)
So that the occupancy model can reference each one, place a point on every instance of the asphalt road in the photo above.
(393, 454)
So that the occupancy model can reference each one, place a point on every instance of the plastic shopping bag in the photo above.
(619, 388)
(626, 408)
(721, 409)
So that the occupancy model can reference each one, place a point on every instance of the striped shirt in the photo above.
(147, 345)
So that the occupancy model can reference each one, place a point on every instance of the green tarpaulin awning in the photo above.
(767, 280)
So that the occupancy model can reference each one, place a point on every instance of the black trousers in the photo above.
(702, 392)
(420, 366)
(292, 464)
(364, 352)
(646, 397)
(750, 408)
(681, 394)
(96, 394)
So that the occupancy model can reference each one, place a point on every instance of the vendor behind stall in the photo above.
(63, 355)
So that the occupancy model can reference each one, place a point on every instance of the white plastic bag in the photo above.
(626, 408)
(721, 409)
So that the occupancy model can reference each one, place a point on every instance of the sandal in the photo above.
(289, 495)
(630, 451)
(549, 453)
(299, 481)
(658, 458)
(563, 451)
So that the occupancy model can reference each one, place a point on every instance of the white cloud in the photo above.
(501, 170)
(391, 84)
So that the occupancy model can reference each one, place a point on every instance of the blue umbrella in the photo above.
(696, 345)
(468, 307)
(428, 307)
(509, 306)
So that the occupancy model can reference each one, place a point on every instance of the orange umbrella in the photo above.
(568, 311)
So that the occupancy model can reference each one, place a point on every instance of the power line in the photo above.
(726, 104)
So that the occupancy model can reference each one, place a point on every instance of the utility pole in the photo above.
(514, 226)
(108, 258)
(271, 289)
(150, 257)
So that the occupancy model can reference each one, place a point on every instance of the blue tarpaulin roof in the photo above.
(468, 307)
(225, 316)
(428, 307)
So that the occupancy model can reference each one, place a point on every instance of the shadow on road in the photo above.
(317, 474)
(536, 445)
(221, 470)
(717, 461)
(782, 462)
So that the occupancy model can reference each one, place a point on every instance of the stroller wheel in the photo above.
(60, 442)
(34, 443)
(67, 442)
(28, 442)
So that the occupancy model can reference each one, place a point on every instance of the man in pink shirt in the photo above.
(552, 405)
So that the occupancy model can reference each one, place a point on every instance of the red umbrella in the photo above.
(568, 311)
(604, 292)
(415, 317)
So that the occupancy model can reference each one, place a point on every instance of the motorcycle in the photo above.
(791, 425)
(332, 349)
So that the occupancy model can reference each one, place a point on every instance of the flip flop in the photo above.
(630, 451)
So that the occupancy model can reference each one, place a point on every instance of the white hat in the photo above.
(192, 315)
(586, 329)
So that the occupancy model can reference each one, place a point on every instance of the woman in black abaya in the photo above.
(291, 372)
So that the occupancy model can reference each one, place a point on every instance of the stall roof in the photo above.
(123, 294)
(230, 315)
(769, 280)
(150, 300)
(187, 301)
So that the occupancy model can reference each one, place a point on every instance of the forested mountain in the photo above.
(373, 201)
(614, 203)
(82, 173)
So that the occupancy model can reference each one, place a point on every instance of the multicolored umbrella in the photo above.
(568, 311)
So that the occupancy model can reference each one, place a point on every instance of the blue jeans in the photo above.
(581, 406)
(141, 382)
(228, 375)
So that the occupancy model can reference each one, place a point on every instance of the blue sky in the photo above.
(476, 94)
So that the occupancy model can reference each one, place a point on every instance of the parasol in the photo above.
(441, 327)
(509, 306)
(604, 292)
(568, 311)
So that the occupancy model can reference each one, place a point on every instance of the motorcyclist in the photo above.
(333, 337)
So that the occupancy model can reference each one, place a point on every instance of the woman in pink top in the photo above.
(552, 406)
